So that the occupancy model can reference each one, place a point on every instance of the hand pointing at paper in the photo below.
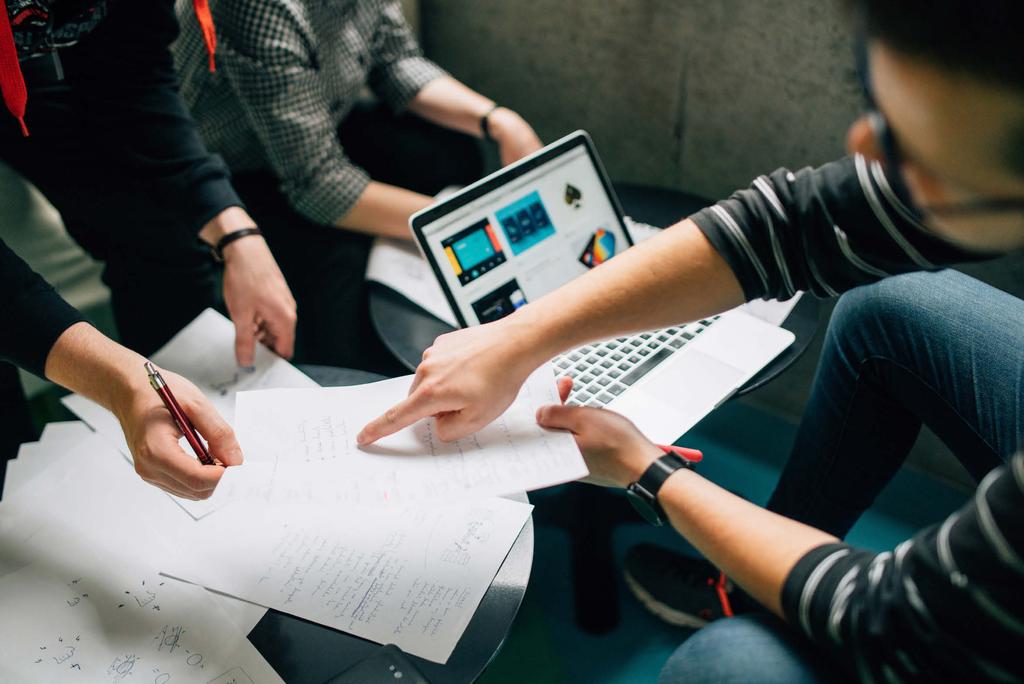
(466, 379)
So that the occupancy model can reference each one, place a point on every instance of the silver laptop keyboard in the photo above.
(604, 370)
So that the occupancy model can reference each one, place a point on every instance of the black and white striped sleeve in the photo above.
(947, 605)
(823, 230)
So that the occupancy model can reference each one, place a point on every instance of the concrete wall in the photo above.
(698, 95)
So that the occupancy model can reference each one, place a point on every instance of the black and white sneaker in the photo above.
(681, 590)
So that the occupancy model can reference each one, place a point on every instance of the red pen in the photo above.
(691, 455)
(184, 424)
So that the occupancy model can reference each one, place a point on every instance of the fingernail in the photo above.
(360, 439)
(249, 369)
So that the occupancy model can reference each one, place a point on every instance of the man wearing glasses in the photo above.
(935, 176)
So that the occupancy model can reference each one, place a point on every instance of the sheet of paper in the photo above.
(34, 457)
(64, 433)
(411, 576)
(75, 615)
(87, 489)
(300, 448)
(203, 352)
(399, 265)
(771, 310)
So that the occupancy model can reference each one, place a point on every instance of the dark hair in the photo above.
(982, 37)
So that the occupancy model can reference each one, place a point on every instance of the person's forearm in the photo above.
(754, 547)
(447, 102)
(672, 278)
(384, 210)
(86, 361)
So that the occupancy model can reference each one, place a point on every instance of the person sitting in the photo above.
(319, 167)
(936, 177)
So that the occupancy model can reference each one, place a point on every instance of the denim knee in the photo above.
(750, 648)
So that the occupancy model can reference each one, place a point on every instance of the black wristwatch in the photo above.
(643, 494)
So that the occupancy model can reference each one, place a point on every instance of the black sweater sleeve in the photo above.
(126, 88)
(32, 314)
(945, 606)
(823, 230)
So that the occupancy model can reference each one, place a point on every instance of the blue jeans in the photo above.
(939, 349)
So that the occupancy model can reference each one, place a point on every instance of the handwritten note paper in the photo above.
(81, 602)
(203, 352)
(68, 621)
(412, 576)
(86, 491)
(300, 448)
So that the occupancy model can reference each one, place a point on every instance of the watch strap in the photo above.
(659, 471)
(643, 493)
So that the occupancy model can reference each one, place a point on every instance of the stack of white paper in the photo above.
(81, 596)
(412, 576)
(396, 543)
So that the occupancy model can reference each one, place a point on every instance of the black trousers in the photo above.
(325, 265)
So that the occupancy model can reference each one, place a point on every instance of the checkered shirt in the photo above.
(288, 73)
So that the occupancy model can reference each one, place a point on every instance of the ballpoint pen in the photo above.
(184, 424)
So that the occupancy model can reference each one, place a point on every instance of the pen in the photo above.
(184, 424)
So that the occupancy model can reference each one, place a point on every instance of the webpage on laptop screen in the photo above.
(526, 238)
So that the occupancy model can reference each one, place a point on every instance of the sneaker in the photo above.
(681, 590)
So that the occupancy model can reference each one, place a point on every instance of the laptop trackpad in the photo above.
(693, 381)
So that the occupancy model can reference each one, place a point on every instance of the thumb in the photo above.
(219, 436)
(560, 417)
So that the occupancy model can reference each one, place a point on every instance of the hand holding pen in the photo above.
(162, 407)
(178, 414)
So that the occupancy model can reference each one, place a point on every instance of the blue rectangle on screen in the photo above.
(526, 223)
(473, 249)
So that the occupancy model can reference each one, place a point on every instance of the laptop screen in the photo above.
(531, 229)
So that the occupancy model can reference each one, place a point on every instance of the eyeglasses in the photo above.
(892, 159)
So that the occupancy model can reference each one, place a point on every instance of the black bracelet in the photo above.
(485, 123)
(218, 249)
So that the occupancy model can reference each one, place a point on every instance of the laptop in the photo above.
(521, 232)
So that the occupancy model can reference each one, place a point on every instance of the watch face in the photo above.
(643, 506)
